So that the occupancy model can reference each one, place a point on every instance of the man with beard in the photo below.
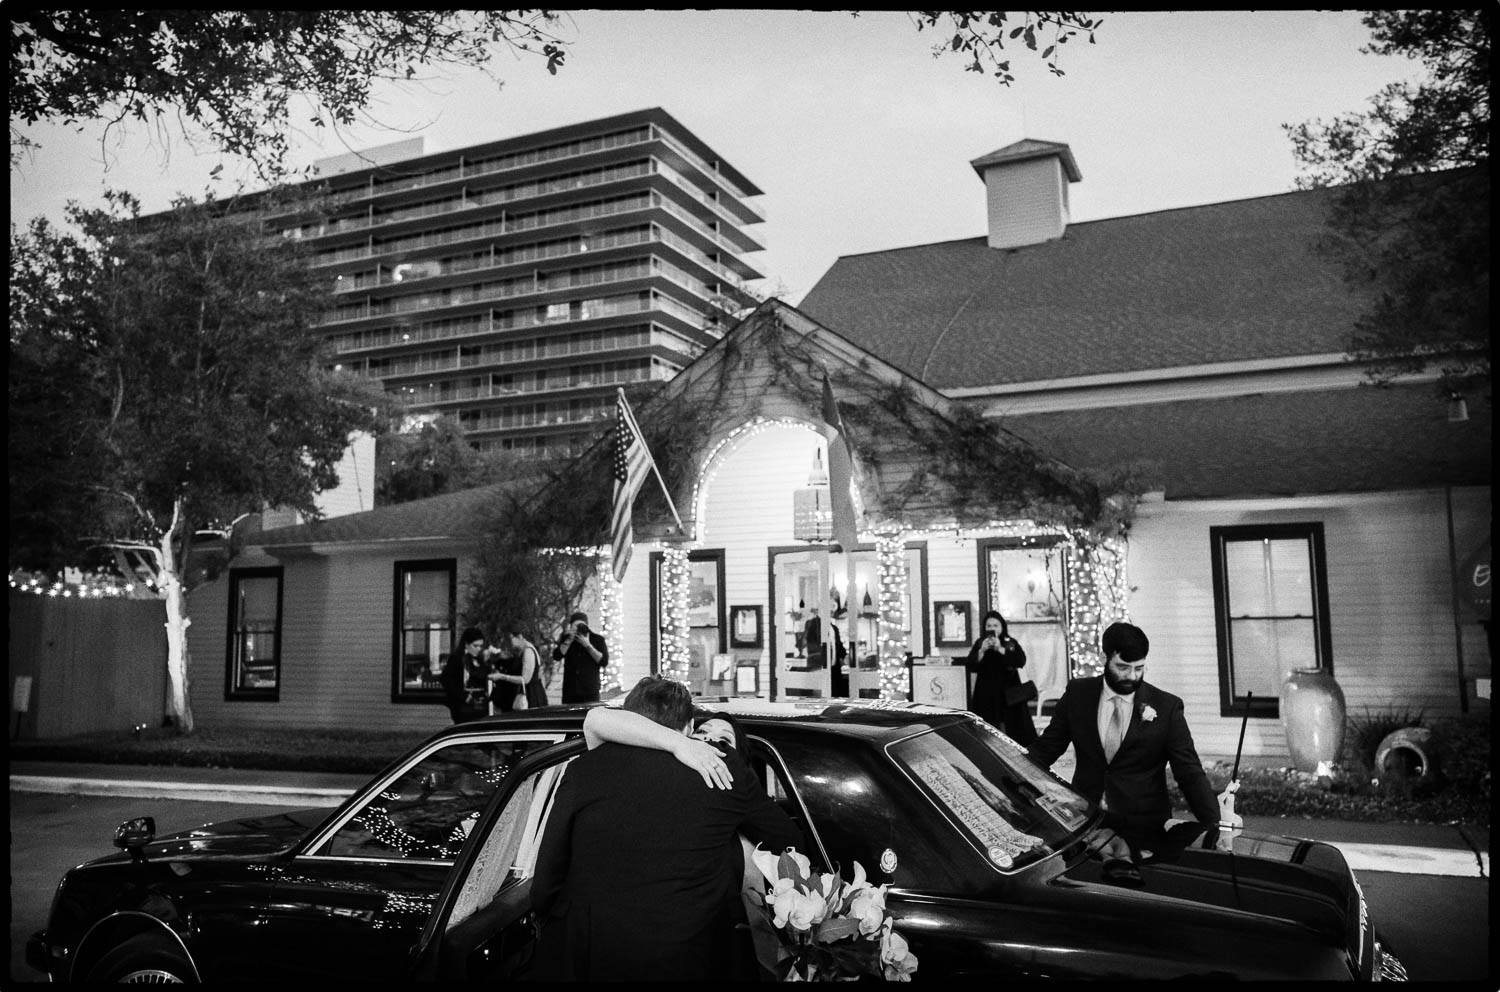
(1124, 733)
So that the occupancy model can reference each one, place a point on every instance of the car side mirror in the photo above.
(134, 834)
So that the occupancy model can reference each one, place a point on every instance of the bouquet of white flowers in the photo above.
(829, 929)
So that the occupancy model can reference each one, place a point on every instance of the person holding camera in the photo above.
(583, 654)
(999, 697)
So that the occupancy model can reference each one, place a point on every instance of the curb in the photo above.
(258, 795)
(1415, 860)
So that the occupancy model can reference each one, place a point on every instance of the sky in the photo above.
(858, 135)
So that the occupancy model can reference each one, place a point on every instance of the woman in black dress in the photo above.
(997, 660)
(518, 676)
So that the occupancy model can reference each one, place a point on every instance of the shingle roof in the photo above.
(1277, 444)
(1197, 285)
(450, 515)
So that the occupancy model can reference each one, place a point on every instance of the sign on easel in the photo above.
(940, 685)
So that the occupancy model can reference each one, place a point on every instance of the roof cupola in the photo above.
(1026, 187)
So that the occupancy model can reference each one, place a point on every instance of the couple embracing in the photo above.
(641, 865)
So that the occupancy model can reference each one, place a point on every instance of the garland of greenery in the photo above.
(538, 548)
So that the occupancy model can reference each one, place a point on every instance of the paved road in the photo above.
(1438, 924)
(50, 833)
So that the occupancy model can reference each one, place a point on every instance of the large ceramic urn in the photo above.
(1312, 715)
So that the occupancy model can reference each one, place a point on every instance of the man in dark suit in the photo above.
(632, 879)
(1124, 733)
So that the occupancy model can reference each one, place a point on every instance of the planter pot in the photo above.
(1406, 756)
(1312, 714)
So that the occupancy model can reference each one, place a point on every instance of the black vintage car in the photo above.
(424, 873)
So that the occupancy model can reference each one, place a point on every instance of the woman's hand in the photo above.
(703, 758)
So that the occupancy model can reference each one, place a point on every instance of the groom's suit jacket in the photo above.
(1133, 784)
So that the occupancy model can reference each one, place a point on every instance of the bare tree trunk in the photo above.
(169, 581)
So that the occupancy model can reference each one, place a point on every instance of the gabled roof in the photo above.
(901, 474)
(1346, 440)
(1200, 285)
(920, 457)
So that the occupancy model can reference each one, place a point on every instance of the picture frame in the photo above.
(951, 622)
(721, 668)
(747, 679)
(745, 626)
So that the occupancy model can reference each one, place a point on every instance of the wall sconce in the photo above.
(1458, 410)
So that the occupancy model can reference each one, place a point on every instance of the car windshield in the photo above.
(1013, 811)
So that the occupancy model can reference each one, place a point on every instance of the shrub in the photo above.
(1463, 744)
(1363, 735)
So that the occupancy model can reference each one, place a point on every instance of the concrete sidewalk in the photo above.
(1411, 848)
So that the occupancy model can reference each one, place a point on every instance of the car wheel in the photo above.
(143, 960)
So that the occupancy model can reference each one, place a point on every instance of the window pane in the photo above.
(1026, 583)
(426, 597)
(259, 647)
(1266, 651)
(1269, 577)
(1245, 568)
(258, 601)
(1291, 579)
(426, 812)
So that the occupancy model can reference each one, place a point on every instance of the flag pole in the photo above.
(629, 413)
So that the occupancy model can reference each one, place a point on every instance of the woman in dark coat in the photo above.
(464, 678)
(997, 660)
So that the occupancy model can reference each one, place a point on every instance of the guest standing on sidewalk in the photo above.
(583, 654)
(464, 677)
(997, 659)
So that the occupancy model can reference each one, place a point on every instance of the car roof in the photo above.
(868, 718)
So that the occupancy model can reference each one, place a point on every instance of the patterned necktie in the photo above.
(1115, 733)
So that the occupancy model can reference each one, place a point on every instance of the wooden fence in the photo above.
(94, 665)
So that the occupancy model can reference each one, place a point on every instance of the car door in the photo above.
(482, 929)
(352, 902)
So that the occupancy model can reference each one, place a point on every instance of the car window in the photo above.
(1014, 812)
(425, 810)
(509, 852)
(766, 764)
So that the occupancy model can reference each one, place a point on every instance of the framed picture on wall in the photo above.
(952, 623)
(747, 679)
(745, 627)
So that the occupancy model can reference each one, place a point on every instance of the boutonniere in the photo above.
(1148, 714)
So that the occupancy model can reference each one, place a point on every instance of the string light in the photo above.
(612, 618)
(890, 556)
(89, 585)
(674, 628)
(719, 454)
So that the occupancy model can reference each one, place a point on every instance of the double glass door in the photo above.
(826, 620)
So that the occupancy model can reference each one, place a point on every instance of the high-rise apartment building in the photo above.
(516, 284)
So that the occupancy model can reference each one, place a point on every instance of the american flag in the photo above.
(631, 464)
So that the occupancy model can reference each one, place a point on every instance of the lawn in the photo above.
(1262, 792)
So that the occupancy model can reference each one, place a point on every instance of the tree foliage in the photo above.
(235, 73)
(435, 458)
(1411, 225)
(980, 36)
(166, 379)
